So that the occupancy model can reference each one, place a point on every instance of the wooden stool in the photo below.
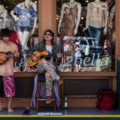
(39, 100)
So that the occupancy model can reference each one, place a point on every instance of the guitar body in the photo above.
(37, 56)
(3, 57)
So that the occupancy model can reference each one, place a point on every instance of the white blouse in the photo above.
(97, 14)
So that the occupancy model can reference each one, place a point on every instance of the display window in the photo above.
(21, 17)
(86, 32)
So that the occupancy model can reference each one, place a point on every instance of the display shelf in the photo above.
(71, 74)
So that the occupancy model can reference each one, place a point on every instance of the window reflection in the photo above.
(86, 30)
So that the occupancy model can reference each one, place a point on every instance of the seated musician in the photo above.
(48, 66)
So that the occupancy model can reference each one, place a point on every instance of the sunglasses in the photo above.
(48, 34)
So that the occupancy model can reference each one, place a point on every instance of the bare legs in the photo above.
(0, 104)
(9, 104)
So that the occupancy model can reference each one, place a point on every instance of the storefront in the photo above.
(96, 67)
(79, 96)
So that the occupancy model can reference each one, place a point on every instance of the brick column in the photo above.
(47, 16)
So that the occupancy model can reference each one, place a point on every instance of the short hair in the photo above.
(5, 32)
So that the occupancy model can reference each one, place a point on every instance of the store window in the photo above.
(21, 17)
(86, 32)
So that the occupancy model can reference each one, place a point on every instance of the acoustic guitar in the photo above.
(35, 58)
(4, 56)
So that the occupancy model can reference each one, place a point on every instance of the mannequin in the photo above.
(25, 16)
(69, 19)
(3, 16)
(96, 19)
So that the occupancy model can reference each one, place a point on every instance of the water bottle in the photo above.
(65, 102)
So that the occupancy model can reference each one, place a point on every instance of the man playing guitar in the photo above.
(7, 69)
(48, 67)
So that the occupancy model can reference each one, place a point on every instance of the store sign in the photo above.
(83, 54)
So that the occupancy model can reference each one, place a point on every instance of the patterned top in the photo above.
(6, 20)
(25, 15)
(97, 14)
(7, 68)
